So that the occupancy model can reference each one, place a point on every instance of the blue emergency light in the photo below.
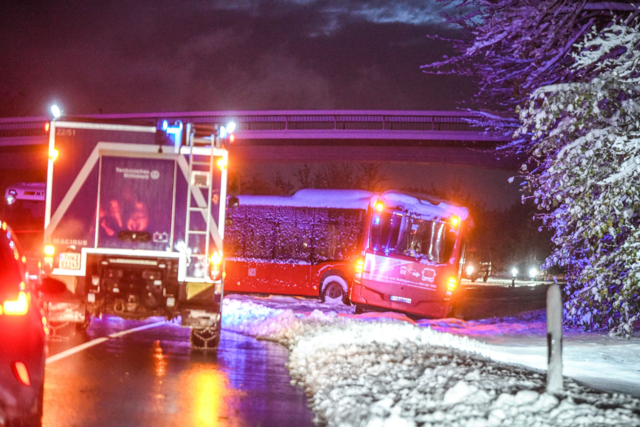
(169, 134)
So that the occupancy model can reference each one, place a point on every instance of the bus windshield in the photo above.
(395, 234)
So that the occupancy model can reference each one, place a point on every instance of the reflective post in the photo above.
(554, 339)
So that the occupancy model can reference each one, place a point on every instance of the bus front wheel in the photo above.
(334, 290)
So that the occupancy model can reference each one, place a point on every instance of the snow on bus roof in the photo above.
(423, 205)
(313, 198)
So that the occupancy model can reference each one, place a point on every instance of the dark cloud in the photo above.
(160, 55)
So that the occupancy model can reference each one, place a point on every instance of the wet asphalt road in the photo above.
(153, 378)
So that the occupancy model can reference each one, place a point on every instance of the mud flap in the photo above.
(200, 319)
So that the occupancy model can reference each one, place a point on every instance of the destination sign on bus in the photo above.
(398, 271)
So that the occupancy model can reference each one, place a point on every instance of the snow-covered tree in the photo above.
(512, 47)
(585, 171)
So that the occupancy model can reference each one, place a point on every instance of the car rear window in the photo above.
(9, 258)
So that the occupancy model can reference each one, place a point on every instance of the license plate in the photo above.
(69, 261)
(400, 299)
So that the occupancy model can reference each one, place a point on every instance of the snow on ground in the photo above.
(375, 371)
(600, 361)
(297, 304)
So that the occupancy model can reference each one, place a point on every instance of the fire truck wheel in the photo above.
(204, 339)
(334, 290)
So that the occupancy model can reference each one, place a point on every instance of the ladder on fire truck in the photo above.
(200, 180)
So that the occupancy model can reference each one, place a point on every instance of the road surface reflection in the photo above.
(152, 378)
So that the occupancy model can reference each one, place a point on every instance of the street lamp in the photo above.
(56, 111)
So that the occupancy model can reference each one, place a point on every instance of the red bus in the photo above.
(412, 255)
(305, 244)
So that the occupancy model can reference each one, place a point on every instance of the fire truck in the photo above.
(134, 222)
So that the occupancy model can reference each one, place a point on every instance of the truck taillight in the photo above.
(222, 163)
(53, 154)
(216, 258)
(215, 266)
(18, 307)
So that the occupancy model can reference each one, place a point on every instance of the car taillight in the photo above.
(21, 372)
(18, 307)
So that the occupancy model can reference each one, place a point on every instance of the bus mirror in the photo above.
(233, 202)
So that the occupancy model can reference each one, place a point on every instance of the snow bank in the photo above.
(383, 372)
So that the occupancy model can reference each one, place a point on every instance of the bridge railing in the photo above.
(277, 121)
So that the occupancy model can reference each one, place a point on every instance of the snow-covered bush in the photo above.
(585, 171)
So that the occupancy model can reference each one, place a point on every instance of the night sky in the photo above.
(185, 55)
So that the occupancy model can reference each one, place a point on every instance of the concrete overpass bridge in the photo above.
(433, 137)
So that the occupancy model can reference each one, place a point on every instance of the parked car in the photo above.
(477, 265)
(23, 331)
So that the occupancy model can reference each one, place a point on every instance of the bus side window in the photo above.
(259, 240)
(289, 235)
(304, 233)
(320, 235)
(234, 233)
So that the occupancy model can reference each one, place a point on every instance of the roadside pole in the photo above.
(554, 339)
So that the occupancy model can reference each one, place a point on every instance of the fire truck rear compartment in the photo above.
(132, 287)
